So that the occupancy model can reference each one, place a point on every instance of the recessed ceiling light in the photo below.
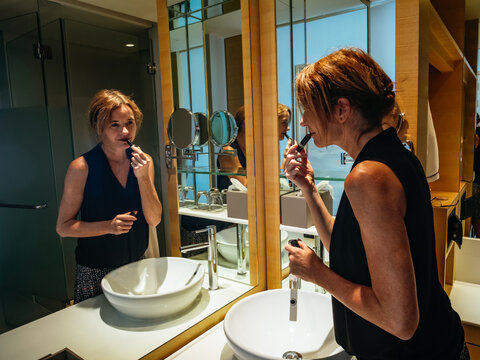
(129, 45)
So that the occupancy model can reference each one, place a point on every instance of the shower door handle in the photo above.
(21, 206)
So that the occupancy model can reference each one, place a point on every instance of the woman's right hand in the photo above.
(298, 169)
(122, 223)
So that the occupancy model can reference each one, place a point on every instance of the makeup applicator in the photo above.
(304, 142)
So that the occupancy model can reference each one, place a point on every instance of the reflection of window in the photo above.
(317, 36)
(198, 104)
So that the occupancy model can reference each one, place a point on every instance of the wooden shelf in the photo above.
(444, 52)
(470, 72)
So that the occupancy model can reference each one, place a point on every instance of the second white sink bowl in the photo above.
(259, 327)
(227, 243)
(154, 288)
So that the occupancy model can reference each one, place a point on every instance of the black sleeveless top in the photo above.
(439, 334)
(223, 182)
(104, 198)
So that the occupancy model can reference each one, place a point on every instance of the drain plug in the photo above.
(292, 355)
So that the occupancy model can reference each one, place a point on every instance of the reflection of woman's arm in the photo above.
(67, 224)
(231, 164)
(143, 168)
(285, 152)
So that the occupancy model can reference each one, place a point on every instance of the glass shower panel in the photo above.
(32, 277)
(60, 127)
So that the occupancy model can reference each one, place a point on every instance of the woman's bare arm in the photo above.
(143, 168)
(299, 170)
(379, 204)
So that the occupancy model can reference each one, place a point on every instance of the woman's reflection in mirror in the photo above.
(234, 163)
(112, 187)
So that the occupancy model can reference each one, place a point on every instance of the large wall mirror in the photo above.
(207, 67)
(44, 99)
(205, 76)
(306, 31)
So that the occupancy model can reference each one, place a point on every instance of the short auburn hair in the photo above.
(104, 103)
(283, 113)
(349, 73)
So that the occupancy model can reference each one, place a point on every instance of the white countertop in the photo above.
(210, 345)
(222, 216)
(212, 215)
(465, 298)
(93, 329)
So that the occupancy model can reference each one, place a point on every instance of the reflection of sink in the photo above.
(153, 288)
(227, 243)
(258, 327)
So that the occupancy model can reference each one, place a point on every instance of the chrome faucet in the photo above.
(322, 254)
(241, 250)
(211, 245)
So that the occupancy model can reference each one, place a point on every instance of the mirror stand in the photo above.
(187, 154)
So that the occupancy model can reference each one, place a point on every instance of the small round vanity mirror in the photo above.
(202, 121)
(183, 129)
(224, 128)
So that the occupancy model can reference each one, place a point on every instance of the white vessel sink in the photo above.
(154, 288)
(259, 327)
(227, 243)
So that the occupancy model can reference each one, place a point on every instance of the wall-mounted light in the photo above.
(130, 45)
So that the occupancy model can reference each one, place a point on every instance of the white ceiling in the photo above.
(146, 9)
(143, 9)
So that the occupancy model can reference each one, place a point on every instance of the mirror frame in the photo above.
(170, 125)
(235, 129)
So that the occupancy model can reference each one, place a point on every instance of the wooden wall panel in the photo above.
(446, 103)
(234, 71)
(453, 16)
(411, 70)
(173, 241)
(270, 142)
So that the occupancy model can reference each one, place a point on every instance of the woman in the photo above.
(387, 301)
(234, 163)
(112, 186)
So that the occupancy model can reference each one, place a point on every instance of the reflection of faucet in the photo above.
(241, 250)
(185, 191)
(211, 245)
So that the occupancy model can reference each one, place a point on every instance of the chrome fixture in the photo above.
(241, 253)
(211, 245)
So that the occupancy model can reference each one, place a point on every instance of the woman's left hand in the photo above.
(304, 263)
(140, 163)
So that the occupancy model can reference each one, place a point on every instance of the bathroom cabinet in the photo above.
(433, 69)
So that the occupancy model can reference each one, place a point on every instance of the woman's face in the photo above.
(312, 123)
(122, 127)
(283, 128)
